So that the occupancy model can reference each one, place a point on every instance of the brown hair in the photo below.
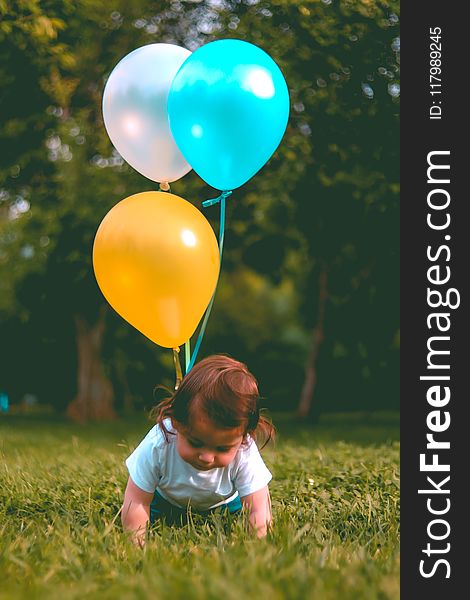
(224, 390)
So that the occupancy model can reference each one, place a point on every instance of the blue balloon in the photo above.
(228, 107)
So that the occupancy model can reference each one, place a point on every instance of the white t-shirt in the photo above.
(156, 465)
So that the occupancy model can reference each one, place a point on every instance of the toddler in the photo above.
(201, 454)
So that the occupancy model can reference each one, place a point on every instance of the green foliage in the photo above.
(331, 200)
(335, 505)
(328, 199)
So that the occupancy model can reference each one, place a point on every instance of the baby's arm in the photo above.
(259, 509)
(135, 512)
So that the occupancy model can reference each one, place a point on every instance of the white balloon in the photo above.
(135, 111)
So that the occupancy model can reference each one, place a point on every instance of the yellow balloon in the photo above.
(156, 260)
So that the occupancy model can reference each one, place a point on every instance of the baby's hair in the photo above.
(224, 390)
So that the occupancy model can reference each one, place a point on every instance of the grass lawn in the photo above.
(335, 498)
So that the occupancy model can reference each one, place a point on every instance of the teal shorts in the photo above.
(162, 509)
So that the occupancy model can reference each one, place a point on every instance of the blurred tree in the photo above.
(52, 194)
(332, 194)
(31, 55)
(312, 240)
(58, 184)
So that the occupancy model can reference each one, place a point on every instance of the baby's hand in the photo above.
(259, 508)
(135, 512)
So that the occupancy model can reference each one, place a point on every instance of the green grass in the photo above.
(335, 499)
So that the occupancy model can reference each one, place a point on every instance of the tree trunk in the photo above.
(310, 381)
(95, 396)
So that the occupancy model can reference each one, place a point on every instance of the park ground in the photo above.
(335, 497)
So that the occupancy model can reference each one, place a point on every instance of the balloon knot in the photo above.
(164, 186)
(212, 201)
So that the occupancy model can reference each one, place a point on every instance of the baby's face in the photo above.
(204, 446)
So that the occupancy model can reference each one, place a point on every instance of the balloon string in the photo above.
(206, 203)
(176, 360)
(187, 353)
(212, 201)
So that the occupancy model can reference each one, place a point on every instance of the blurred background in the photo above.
(309, 290)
